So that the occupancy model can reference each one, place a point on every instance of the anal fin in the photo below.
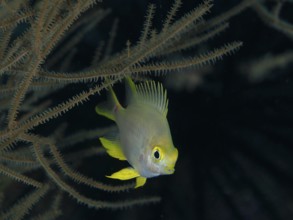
(113, 148)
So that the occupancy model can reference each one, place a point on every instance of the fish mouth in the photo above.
(169, 166)
(169, 171)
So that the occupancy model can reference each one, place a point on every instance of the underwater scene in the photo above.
(144, 109)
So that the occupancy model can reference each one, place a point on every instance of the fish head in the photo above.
(159, 160)
(164, 158)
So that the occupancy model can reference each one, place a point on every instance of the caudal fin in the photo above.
(109, 107)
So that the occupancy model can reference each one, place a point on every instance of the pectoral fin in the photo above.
(113, 148)
(125, 174)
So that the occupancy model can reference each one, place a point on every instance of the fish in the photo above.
(143, 138)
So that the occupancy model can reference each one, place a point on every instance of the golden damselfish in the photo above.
(143, 137)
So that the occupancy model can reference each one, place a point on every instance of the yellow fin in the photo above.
(125, 174)
(108, 108)
(140, 181)
(113, 148)
(130, 90)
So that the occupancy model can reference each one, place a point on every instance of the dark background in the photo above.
(234, 136)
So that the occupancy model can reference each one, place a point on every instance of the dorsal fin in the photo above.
(148, 92)
(154, 94)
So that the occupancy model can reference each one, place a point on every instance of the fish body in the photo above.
(144, 137)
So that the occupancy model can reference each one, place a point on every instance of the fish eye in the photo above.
(156, 153)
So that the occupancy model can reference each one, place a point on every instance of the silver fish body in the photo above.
(141, 128)
(144, 137)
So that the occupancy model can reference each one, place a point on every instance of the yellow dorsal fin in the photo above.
(113, 148)
(125, 174)
(140, 181)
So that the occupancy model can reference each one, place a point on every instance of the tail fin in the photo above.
(130, 90)
(109, 107)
